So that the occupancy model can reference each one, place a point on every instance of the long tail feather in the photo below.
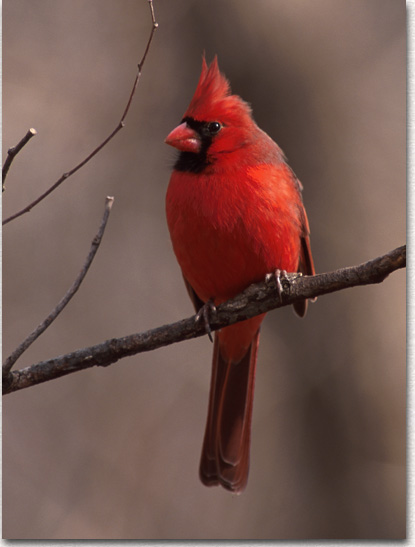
(225, 453)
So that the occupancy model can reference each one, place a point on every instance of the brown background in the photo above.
(114, 453)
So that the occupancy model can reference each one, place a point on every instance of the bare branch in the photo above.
(14, 150)
(119, 126)
(256, 299)
(8, 364)
(141, 63)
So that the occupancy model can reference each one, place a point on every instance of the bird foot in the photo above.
(278, 277)
(205, 311)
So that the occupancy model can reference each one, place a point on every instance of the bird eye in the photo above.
(214, 127)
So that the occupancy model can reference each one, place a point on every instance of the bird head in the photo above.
(215, 122)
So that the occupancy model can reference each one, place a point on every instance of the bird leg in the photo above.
(207, 309)
(278, 276)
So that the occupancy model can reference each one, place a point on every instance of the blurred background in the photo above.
(114, 453)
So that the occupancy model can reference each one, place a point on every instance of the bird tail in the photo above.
(225, 452)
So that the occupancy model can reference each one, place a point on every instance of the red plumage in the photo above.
(235, 213)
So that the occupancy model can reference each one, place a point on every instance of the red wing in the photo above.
(197, 302)
(305, 262)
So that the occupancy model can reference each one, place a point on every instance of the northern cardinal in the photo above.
(235, 213)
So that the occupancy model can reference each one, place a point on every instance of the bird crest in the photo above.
(213, 95)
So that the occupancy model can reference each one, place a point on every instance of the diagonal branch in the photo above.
(256, 299)
(13, 151)
(8, 364)
(119, 126)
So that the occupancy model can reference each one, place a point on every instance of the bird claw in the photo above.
(278, 277)
(204, 312)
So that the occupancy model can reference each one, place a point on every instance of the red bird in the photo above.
(235, 213)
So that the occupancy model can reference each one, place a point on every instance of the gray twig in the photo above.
(256, 299)
(9, 362)
(13, 151)
(120, 125)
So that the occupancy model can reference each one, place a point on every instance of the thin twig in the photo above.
(256, 299)
(120, 125)
(141, 63)
(14, 150)
(8, 364)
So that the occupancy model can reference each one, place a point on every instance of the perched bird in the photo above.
(235, 213)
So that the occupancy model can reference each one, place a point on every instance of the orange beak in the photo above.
(184, 138)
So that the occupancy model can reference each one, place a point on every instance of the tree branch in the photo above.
(256, 299)
(8, 364)
(120, 125)
(13, 151)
